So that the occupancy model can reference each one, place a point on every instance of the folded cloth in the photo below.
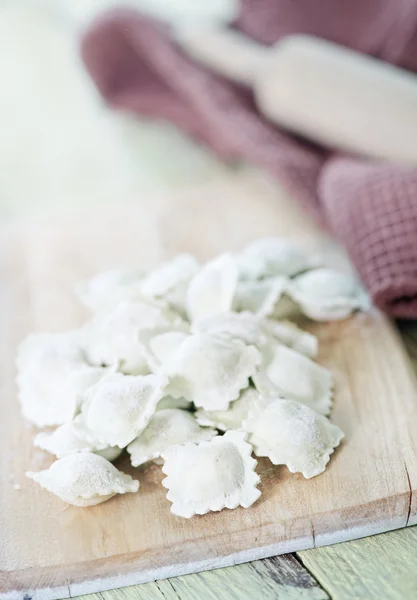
(370, 206)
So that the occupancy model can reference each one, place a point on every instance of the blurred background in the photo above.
(61, 147)
(108, 101)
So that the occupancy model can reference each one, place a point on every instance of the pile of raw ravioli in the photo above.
(192, 366)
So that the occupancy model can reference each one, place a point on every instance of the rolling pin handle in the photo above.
(224, 51)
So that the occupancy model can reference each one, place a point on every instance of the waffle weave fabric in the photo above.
(370, 206)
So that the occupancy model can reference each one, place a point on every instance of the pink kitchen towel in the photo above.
(371, 206)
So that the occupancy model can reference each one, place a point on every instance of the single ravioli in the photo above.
(170, 280)
(119, 407)
(243, 326)
(260, 297)
(210, 476)
(109, 288)
(296, 377)
(112, 336)
(292, 336)
(272, 256)
(52, 373)
(212, 290)
(84, 479)
(327, 295)
(233, 417)
(66, 440)
(291, 434)
(210, 371)
(166, 428)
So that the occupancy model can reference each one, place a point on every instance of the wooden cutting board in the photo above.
(51, 550)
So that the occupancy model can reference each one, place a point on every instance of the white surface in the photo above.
(60, 148)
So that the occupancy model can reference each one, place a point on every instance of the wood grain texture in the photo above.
(380, 567)
(269, 579)
(51, 550)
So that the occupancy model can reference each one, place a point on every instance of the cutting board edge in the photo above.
(55, 590)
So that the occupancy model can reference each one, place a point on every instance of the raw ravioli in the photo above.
(212, 290)
(327, 295)
(170, 277)
(296, 377)
(52, 373)
(291, 434)
(272, 256)
(166, 428)
(113, 336)
(260, 297)
(119, 407)
(211, 475)
(66, 440)
(84, 479)
(211, 371)
(160, 345)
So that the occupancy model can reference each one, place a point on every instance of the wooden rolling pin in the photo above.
(320, 90)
